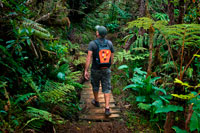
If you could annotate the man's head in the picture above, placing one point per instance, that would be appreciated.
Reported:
(101, 31)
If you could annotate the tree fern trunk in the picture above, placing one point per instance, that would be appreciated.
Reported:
(182, 11)
(151, 33)
(171, 12)
(142, 14)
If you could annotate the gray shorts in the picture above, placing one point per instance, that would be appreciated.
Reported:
(102, 75)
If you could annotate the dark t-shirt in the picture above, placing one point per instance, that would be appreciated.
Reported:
(93, 47)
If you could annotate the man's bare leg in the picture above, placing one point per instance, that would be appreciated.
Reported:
(107, 100)
(96, 98)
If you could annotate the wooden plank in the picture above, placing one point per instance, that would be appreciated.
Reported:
(90, 112)
(88, 100)
(101, 105)
(102, 111)
(91, 96)
(99, 117)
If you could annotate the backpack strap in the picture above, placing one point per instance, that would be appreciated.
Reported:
(98, 42)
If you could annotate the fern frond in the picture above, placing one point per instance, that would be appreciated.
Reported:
(74, 75)
(45, 115)
(168, 65)
(39, 31)
(141, 22)
(3, 84)
(24, 97)
(139, 49)
(55, 92)
(26, 77)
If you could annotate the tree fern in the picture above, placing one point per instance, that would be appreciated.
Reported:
(183, 34)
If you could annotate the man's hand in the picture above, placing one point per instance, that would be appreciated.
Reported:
(86, 75)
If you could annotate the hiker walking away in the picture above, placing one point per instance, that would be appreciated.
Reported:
(101, 52)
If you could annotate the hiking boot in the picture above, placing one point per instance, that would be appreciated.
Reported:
(107, 112)
(95, 103)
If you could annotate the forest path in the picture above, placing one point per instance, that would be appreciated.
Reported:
(90, 112)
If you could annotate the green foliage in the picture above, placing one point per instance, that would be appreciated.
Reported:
(126, 56)
(186, 84)
(193, 98)
(109, 14)
(37, 28)
(169, 108)
(160, 16)
(149, 96)
(195, 121)
(24, 97)
(123, 56)
(41, 114)
(141, 22)
(184, 34)
(178, 130)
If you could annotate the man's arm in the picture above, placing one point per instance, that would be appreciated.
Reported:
(87, 64)
(112, 58)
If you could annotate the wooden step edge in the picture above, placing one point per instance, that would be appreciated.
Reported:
(92, 107)
(90, 99)
(99, 118)
(101, 113)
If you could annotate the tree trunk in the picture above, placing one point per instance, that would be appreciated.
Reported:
(151, 33)
(190, 112)
(171, 12)
(142, 11)
(181, 11)
(169, 123)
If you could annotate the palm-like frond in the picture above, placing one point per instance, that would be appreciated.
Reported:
(42, 114)
(39, 31)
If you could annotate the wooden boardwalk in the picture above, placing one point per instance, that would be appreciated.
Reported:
(90, 112)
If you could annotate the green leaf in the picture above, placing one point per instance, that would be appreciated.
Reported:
(154, 79)
(3, 84)
(178, 130)
(163, 98)
(195, 121)
(197, 55)
(144, 106)
(182, 83)
(160, 89)
(157, 103)
(122, 67)
(169, 108)
(140, 99)
(129, 86)
(28, 42)
(10, 42)
(189, 96)
(139, 71)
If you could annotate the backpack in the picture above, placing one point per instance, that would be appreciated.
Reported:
(103, 56)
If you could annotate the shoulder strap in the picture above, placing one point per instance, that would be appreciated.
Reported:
(98, 43)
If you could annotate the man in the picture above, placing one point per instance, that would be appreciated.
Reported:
(99, 74)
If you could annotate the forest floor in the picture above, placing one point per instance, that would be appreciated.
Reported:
(93, 127)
